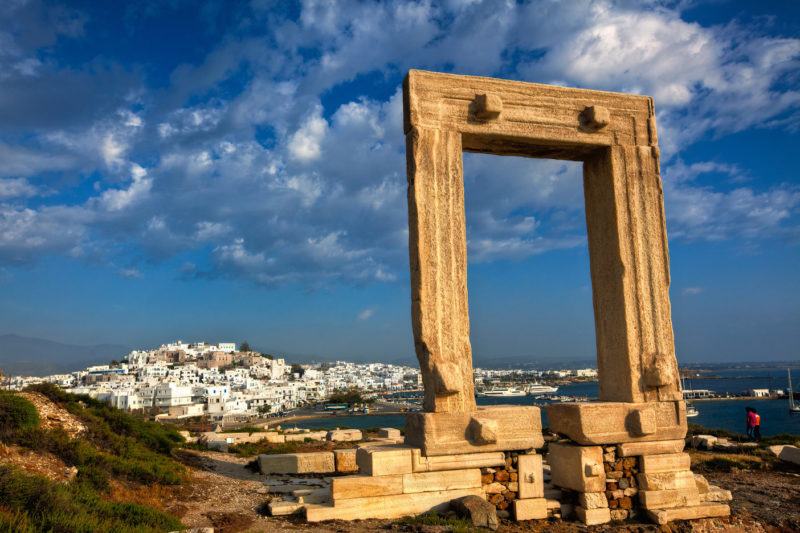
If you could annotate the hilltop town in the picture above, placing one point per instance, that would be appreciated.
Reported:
(225, 382)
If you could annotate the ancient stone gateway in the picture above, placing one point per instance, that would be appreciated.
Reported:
(621, 455)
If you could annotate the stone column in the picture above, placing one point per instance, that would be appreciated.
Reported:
(438, 257)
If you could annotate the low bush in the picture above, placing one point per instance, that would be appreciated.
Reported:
(245, 429)
(17, 415)
(721, 464)
(31, 503)
(116, 442)
(248, 449)
(456, 525)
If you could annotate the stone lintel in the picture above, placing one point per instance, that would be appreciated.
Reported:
(436, 463)
(630, 449)
(666, 499)
(706, 510)
(393, 506)
(488, 429)
(664, 462)
(591, 423)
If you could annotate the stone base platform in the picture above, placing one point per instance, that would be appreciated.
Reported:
(488, 429)
(593, 423)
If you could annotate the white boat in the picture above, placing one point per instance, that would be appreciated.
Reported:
(501, 393)
(691, 411)
(793, 409)
(537, 389)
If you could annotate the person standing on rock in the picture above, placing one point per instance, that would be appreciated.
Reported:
(756, 425)
(751, 422)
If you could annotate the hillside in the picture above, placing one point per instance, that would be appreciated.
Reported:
(70, 464)
(38, 357)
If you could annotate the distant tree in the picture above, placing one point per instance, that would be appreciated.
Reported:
(351, 397)
(297, 369)
(114, 363)
(268, 356)
(244, 347)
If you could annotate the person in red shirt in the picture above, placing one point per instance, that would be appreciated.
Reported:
(756, 425)
(751, 422)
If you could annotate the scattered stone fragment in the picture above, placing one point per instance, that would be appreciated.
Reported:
(478, 510)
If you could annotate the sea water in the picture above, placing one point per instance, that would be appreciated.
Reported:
(715, 414)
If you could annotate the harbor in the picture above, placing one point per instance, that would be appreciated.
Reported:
(723, 412)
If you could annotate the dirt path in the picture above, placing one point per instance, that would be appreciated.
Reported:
(223, 493)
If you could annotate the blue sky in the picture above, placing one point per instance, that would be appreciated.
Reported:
(236, 171)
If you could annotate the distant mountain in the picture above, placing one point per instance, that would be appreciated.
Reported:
(28, 356)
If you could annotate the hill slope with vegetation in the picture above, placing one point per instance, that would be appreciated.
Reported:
(102, 447)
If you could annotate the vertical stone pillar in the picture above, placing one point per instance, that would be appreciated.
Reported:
(438, 257)
(630, 276)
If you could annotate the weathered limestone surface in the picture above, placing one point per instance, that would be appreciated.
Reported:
(297, 463)
(349, 487)
(530, 476)
(421, 463)
(665, 462)
(667, 481)
(593, 500)
(716, 494)
(439, 481)
(530, 509)
(383, 460)
(664, 499)
(706, 510)
(593, 517)
(615, 136)
(344, 435)
(702, 484)
(345, 460)
(578, 468)
(629, 449)
(386, 506)
(301, 437)
(389, 433)
(592, 423)
(495, 428)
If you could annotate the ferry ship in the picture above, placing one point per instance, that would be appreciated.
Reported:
(537, 389)
(501, 393)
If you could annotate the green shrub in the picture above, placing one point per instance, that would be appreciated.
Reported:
(34, 503)
(721, 464)
(248, 449)
(17, 415)
(432, 518)
(245, 429)
(115, 442)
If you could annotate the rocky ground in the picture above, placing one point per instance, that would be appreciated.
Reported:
(225, 494)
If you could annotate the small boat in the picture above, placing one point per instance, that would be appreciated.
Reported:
(537, 389)
(691, 410)
(501, 393)
(793, 409)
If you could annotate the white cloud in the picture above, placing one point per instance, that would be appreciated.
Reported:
(131, 273)
(305, 143)
(366, 314)
(16, 187)
(242, 158)
(118, 199)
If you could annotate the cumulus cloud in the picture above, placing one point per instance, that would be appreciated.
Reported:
(279, 156)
